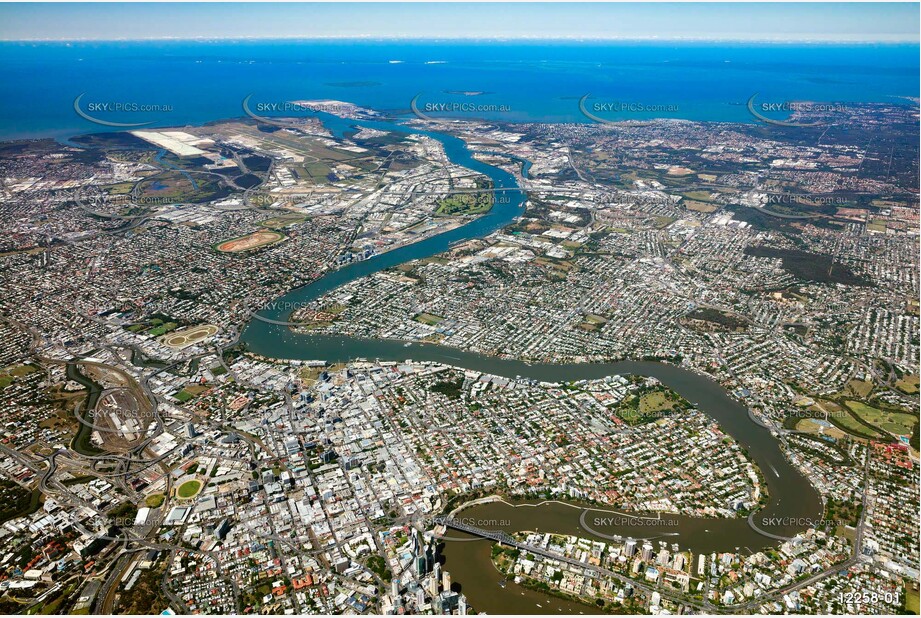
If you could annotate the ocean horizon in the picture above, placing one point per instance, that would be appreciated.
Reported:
(185, 82)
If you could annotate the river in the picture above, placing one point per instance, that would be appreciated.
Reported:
(792, 497)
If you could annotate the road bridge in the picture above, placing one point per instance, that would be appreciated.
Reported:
(500, 536)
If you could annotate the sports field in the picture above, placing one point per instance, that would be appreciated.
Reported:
(187, 336)
(255, 240)
(908, 384)
(188, 489)
(891, 420)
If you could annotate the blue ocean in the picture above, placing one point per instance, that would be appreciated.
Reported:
(192, 82)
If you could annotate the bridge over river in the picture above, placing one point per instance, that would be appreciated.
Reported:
(504, 538)
(791, 497)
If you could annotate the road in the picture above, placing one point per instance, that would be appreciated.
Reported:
(505, 539)
(669, 593)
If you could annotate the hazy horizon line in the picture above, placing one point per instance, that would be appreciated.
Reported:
(375, 37)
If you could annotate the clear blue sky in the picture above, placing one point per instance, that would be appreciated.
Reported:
(722, 21)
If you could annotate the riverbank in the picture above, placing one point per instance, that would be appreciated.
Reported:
(792, 498)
